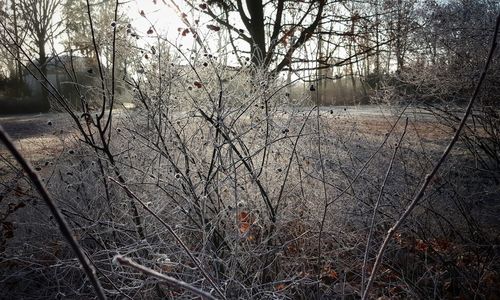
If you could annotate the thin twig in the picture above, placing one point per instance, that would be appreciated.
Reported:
(325, 199)
(113, 77)
(63, 225)
(288, 168)
(377, 204)
(128, 262)
(174, 234)
(367, 162)
(441, 160)
(98, 58)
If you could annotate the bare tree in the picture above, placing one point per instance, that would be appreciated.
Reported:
(8, 11)
(270, 37)
(39, 18)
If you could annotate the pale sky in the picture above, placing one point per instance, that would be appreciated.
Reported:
(160, 15)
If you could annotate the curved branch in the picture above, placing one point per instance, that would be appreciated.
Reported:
(61, 222)
(305, 35)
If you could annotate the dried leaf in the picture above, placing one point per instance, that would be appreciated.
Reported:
(18, 191)
(441, 245)
(245, 221)
(421, 245)
(244, 228)
(330, 275)
(213, 27)
(333, 275)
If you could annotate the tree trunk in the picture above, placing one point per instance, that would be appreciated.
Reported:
(257, 31)
(377, 41)
(42, 64)
(399, 42)
(19, 70)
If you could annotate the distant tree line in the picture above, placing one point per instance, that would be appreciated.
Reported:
(319, 41)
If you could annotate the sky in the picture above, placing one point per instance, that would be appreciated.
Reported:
(159, 14)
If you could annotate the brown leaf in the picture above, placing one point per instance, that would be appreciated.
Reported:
(441, 245)
(245, 221)
(330, 275)
(421, 245)
(213, 27)
(18, 191)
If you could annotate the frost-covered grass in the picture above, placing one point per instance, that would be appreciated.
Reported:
(215, 185)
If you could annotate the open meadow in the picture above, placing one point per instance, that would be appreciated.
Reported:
(297, 223)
